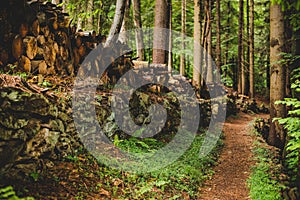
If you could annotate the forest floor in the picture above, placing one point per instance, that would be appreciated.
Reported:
(234, 165)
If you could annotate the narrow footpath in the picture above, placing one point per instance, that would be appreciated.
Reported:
(234, 164)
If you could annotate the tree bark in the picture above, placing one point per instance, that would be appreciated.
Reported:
(240, 49)
(218, 35)
(138, 32)
(183, 33)
(117, 23)
(210, 76)
(160, 38)
(123, 37)
(197, 44)
(247, 51)
(277, 75)
(251, 50)
(170, 55)
(90, 18)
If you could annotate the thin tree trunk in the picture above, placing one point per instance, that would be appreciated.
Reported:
(123, 37)
(240, 48)
(183, 33)
(138, 31)
(226, 61)
(277, 75)
(170, 59)
(117, 23)
(159, 37)
(99, 23)
(197, 44)
(210, 76)
(218, 34)
(247, 50)
(79, 23)
(251, 50)
(90, 19)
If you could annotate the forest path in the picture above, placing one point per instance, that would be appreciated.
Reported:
(234, 165)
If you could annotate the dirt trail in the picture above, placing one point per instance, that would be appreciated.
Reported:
(233, 169)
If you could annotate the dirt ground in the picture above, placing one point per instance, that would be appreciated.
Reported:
(234, 165)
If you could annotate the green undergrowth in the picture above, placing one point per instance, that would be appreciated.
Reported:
(263, 181)
(182, 177)
(9, 194)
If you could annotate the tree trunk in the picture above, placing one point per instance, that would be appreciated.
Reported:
(277, 75)
(183, 33)
(90, 19)
(100, 21)
(138, 32)
(218, 35)
(79, 23)
(240, 49)
(160, 37)
(247, 50)
(170, 59)
(117, 23)
(227, 35)
(210, 76)
(251, 50)
(123, 37)
(197, 44)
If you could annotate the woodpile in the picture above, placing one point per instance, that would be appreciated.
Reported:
(38, 39)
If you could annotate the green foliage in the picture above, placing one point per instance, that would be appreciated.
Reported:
(35, 176)
(12, 70)
(292, 125)
(184, 175)
(263, 182)
(103, 9)
(9, 194)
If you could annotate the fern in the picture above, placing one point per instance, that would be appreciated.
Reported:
(9, 194)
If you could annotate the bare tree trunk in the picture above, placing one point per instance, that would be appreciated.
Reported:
(159, 37)
(183, 33)
(247, 51)
(79, 23)
(100, 21)
(138, 32)
(90, 19)
(197, 44)
(117, 23)
(251, 50)
(210, 75)
(226, 61)
(218, 34)
(277, 75)
(240, 49)
(170, 59)
(123, 37)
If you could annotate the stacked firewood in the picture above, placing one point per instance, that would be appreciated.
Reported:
(39, 38)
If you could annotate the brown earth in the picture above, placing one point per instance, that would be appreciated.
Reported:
(233, 169)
